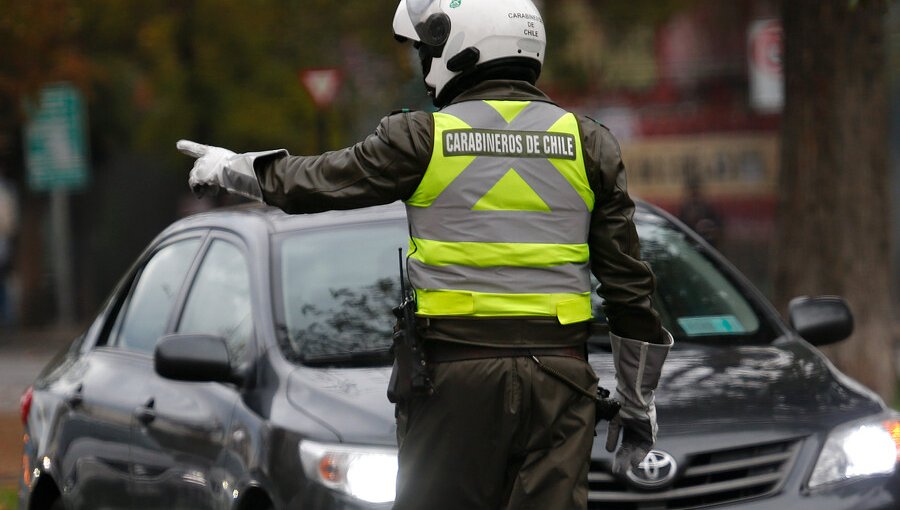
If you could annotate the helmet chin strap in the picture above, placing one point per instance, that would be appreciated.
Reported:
(427, 54)
(431, 91)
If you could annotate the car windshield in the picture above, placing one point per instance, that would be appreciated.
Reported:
(336, 288)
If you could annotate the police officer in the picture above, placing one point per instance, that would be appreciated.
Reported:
(512, 203)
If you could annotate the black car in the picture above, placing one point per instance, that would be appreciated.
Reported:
(242, 364)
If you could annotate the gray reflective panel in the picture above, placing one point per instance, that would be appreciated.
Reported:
(564, 279)
(483, 173)
(537, 116)
(477, 113)
(449, 224)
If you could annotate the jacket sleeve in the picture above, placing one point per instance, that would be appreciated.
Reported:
(626, 282)
(385, 167)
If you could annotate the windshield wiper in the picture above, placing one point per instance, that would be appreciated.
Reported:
(374, 358)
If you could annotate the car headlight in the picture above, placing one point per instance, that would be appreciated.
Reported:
(866, 447)
(365, 473)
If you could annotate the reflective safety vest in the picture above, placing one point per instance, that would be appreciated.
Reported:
(499, 224)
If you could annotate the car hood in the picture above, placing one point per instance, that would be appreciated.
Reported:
(352, 402)
(785, 386)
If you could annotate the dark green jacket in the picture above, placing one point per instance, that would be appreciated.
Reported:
(389, 164)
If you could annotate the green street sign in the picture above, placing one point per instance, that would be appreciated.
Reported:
(55, 142)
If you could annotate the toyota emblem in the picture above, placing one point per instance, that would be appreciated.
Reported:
(657, 469)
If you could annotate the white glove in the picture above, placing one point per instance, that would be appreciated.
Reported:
(206, 176)
(217, 168)
(638, 369)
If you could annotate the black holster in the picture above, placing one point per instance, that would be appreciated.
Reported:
(410, 376)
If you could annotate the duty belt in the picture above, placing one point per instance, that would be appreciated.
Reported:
(445, 352)
(519, 332)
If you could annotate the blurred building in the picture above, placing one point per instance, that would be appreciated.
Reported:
(696, 107)
(695, 99)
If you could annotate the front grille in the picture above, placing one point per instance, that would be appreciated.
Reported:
(704, 479)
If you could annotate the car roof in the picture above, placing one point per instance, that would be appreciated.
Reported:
(252, 219)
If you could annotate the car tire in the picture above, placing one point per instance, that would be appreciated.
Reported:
(57, 505)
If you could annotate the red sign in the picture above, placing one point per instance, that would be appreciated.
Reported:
(322, 84)
(767, 46)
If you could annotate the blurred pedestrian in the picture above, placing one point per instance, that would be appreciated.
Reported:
(9, 225)
(512, 202)
(698, 212)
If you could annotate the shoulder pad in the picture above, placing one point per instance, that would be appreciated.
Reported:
(607, 136)
(595, 121)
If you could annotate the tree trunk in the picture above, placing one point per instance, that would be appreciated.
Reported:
(834, 207)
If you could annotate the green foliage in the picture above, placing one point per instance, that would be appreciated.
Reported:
(595, 43)
(226, 71)
(36, 47)
(639, 12)
(893, 43)
(8, 499)
(223, 71)
(897, 396)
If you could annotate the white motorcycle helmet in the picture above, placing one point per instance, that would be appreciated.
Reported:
(457, 39)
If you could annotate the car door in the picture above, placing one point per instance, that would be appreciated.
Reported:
(180, 436)
(102, 392)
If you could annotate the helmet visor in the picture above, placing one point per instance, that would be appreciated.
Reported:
(431, 23)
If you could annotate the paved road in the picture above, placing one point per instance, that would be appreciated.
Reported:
(22, 356)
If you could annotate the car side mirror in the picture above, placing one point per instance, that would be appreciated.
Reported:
(821, 320)
(193, 357)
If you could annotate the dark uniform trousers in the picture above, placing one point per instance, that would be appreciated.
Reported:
(498, 433)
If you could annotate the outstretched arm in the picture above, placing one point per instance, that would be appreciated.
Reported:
(387, 166)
